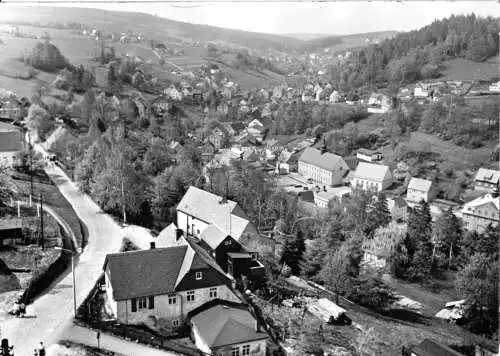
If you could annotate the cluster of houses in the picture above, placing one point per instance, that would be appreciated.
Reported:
(435, 90)
(187, 277)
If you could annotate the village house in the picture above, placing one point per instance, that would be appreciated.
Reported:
(218, 137)
(486, 179)
(481, 212)
(287, 161)
(398, 208)
(13, 109)
(162, 285)
(418, 190)
(370, 176)
(161, 105)
(422, 90)
(227, 329)
(173, 93)
(198, 209)
(404, 94)
(321, 166)
(11, 144)
(495, 87)
(368, 155)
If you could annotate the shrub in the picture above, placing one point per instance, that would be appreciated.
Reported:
(371, 292)
(47, 57)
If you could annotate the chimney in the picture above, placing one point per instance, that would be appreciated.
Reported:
(152, 245)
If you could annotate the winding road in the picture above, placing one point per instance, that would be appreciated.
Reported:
(53, 311)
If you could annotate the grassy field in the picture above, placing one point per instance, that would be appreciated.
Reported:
(462, 69)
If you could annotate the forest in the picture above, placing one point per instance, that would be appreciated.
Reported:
(419, 54)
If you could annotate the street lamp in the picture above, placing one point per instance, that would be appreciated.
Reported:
(73, 273)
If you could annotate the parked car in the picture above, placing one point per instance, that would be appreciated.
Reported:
(298, 186)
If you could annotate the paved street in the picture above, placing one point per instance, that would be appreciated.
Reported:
(54, 310)
(111, 343)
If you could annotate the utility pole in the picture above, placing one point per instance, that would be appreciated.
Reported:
(41, 221)
(31, 170)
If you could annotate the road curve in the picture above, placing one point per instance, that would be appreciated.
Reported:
(54, 310)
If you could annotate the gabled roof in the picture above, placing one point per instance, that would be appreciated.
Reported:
(371, 171)
(11, 141)
(144, 273)
(327, 160)
(488, 198)
(157, 271)
(212, 209)
(488, 175)
(167, 237)
(420, 184)
(226, 324)
(213, 236)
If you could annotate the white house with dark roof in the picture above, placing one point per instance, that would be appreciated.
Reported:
(486, 179)
(323, 167)
(481, 212)
(370, 176)
(227, 329)
(418, 189)
(163, 285)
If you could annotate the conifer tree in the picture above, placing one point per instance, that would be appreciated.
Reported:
(313, 258)
(293, 251)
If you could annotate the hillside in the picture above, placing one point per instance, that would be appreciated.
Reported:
(463, 69)
(152, 26)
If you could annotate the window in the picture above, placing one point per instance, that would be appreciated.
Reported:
(190, 296)
(175, 323)
(235, 351)
(172, 299)
(142, 303)
(151, 302)
(245, 350)
(213, 292)
(198, 275)
(134, 305)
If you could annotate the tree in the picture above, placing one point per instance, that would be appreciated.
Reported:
(293, 251)
(37, 120)
(7, 187)
(313, 258)
(379, 215)
(366, 342)
(479, 282)
(447, 234)
(341, 267)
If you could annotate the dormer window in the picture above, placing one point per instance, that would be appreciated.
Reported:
(198, 276)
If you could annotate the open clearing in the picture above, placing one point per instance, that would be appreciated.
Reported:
(463, 69)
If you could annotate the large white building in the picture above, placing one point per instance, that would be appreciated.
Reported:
(323, 167)
(370, 176)
(486, 179)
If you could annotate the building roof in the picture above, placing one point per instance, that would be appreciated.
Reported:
(167, 237)
(155, 272)
(488, 198)
(213, 236)
(212, 209)
(400, 202)
(367, 152)
(226, 324)
(11, 141)
(371, 171)
(327, 160)
(488, 175)
(420, 184)
(432, 348)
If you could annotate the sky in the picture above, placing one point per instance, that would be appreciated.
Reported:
(330, 18)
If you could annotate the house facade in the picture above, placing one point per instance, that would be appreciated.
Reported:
(217, 137)
(323, 167)
(418, 189)
(486, 179)
(370, 176)
(481, 212)
(162, 284)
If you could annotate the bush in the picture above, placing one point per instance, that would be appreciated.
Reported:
(46, 57)
(371, 292)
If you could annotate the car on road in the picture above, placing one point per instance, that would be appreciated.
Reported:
(305, 188)
(298, 185)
